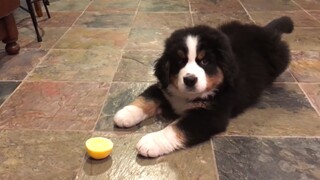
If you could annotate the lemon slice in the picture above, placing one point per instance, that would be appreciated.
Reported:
(99, 147)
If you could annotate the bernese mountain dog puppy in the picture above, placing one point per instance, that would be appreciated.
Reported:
(206, 77)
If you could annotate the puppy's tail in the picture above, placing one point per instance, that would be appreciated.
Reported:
(283, 24)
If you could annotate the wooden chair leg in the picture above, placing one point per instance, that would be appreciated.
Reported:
(38, 9)
(34, 19)
(12, 47)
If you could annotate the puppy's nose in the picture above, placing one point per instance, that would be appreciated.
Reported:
(190, 80)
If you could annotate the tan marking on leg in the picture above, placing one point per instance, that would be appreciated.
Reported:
(215, 80)
(149, 107)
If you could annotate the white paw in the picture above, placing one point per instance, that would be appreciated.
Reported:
(129, 116)
(159, 143)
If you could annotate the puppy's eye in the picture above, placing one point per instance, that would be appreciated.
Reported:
(204, 62)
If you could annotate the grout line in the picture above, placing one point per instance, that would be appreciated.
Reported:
(245, 9)
(79, 81)
(295, 79)
(107, 94)
(102, 107)
(279, 83)
(45, 130)
(42, 58)
(190, 13)
(309, 99)
(79, 49)
(165, 12)
(68, 81)
(305, 11)
(161, 12)
(11, 80)
(306, 27)
(214, 159)
(304, 92)
(11, 94)
(270, 137)
(125, 46)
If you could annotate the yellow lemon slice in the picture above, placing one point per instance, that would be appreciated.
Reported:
(99, 147)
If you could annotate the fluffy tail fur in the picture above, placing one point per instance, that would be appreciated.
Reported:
(283, 24)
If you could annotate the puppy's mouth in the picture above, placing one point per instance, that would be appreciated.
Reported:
(190, 90)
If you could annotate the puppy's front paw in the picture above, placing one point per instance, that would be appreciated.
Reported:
(159, 143)
(129, 116)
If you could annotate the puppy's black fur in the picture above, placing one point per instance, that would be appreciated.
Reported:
(250, 57)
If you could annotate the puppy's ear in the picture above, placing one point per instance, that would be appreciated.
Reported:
(161, 71)
(228, 65)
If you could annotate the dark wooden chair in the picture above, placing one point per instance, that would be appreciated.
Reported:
(31, 11)
(8, 28)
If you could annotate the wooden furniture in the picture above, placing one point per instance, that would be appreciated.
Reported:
(8, 27)
(38, 10)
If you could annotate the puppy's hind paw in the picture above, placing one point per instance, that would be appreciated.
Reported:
(129, 116)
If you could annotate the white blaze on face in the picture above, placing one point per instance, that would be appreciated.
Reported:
(192, 68)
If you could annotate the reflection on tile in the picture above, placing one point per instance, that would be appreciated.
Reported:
(271, 5)
(73, 65)
(105, 20)
(40, 154)
(21, 15)
(147, 39)
(18, 66)
(6, 88)
(114, 5)
(215, 6)
(305, 55)
(50, 35)
(193, 163)
(306, 66)
(215, 19)
(106, 124)
(300, 18)
(283, 110)
(285, 77)
(68, 5)
(121, 94)
(86, 38)
(304, 39)
(309, 4)
(164, 5)
(58, 19)
(267, 158)
(51, 105)
(162, 20)
(313, 92)
(137, 66)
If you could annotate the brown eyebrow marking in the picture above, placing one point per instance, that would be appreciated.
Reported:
(201, 54)
(181, 54)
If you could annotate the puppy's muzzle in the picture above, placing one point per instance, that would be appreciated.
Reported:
(190, 80)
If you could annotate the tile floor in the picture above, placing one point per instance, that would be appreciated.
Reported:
(97, 55)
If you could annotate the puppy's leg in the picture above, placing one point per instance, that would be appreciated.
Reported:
(162, 142)
(196, 127)
(145, 106)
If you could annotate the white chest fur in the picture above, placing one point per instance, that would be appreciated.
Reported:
(179, 104)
